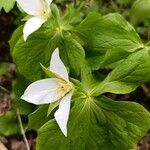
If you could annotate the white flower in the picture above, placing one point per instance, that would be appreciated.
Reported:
(39, 10)
(53, 89)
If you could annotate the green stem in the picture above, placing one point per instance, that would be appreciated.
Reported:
(22, 130)
(2, 89)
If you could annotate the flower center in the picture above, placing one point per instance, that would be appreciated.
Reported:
(65, 88)
(45, 10)
(44, 13)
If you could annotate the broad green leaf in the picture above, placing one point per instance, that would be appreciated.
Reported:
(95, 124)
(140, 11)
(55, 11)
(84, 28)
(37, 49)
(128, 75)
(9, 124)
(17, 34)
(19, 86)
(38, 117)
(7, 5)
(109, 36)
(52, 106)
(72, 53)
(87, 78)
(77, 84)
(86, 75)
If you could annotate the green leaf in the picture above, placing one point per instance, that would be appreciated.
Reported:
(52, 106)
(72, 53)
(37, 49)
(128, 75)
(55, 11)
(9, 124)
(109, 36)
(7, 5)
(38, 117)
(140, 11)
(87, 78)
(97, 123)
(73, 15)
(17, 34)
(19, 86)
(84, 28)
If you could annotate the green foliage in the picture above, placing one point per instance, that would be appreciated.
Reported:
(38, 117)
(15, 37)
(140, 11)
(19, 86)
(40, 45)
(72, 53)
(7, 5)
(9, 124)
(109, 38)
(96, 123)
(36, 50)
(128, 75)
(86, 47)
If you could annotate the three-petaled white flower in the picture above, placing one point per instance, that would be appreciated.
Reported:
(53, 89)
(39, 9)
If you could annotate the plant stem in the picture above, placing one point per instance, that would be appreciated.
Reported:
(145, 89)
(4, 90)
(22, 130)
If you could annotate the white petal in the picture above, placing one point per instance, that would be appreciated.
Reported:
(32, 25)
(57, 66)
(31, 7)
(42, 92)
(62, 114)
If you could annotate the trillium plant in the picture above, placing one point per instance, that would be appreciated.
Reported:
(53, 89)
(72, 102)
